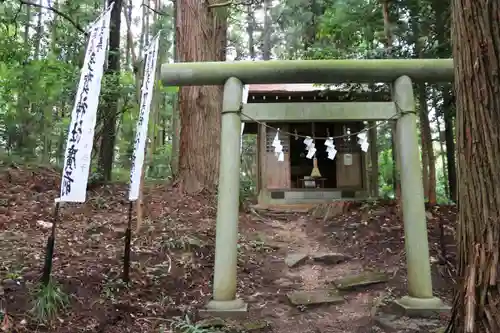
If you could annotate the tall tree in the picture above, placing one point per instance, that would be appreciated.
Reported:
(111, 97)
(450, 141)
(267, 31)
(201, 28)
(442, 13)
(428, 156)
(251, 25)
(386, 4)
(476, 52)
(176, 118)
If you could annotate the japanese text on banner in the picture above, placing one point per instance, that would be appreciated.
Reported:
(83, 118)
(142, 123)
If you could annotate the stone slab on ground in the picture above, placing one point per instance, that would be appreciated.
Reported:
(360, 280)
(315, 297)
(330, 258)
(295, 259)
(391, 323)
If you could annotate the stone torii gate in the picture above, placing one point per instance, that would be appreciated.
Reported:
(420, 299)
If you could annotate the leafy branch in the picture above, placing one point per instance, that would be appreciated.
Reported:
(55, 11)
(231, 2)
(154, 10)
(222, 4)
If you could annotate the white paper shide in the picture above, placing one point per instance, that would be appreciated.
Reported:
(363, 141)
(83, 117)
(142, 123)
(278, 147)
(310, 147)
(330, 148)
(244, 95)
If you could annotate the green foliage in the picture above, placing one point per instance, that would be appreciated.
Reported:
(38, 78)
(39, 72)
(48, 301)
(248, 161)
(160, 166)
(185, 325)
(247, 188)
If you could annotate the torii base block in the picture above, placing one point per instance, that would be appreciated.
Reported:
(235, 309)
(422, 307)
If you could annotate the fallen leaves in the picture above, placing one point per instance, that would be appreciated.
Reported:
(172, 255)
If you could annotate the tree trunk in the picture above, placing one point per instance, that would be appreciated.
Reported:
(427, 146)
(130, 42)
(175, 120)
(176, 134)
(158, 96)
(476, 53)
(147, 24)
(267, 32)
(143, 42)
(423, 154)
(309, 37)
(27, 26)
(441, 146)
(138, 73)
(200, 36)
(450, 144)
(53, 33)
(38, 40)
(251, 24)
(110, 109)
(373, 179)
(443, 50)
(388, 49)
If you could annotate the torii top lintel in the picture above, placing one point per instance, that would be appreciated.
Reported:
(307, 71)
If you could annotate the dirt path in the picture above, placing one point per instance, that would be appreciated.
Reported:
(295, 234)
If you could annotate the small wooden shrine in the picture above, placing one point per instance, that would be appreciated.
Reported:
(306, 110)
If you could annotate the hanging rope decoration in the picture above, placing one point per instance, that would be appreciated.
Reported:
(309, 140)
(330, 146)
(311, 147)
(278, 147)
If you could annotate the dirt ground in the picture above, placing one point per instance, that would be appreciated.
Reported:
(172, 261)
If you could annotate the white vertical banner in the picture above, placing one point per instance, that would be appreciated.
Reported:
(83, 117)
(244, 95)
(141, 133)
(244, 100)
(241, 137)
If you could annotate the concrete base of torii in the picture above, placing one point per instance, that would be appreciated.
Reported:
(422, 307)
(225, 309)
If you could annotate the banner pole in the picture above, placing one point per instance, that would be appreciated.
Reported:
(49, 251)
(128, 239)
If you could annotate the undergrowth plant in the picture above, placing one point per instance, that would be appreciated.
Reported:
(185, 325)
(48, 301)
